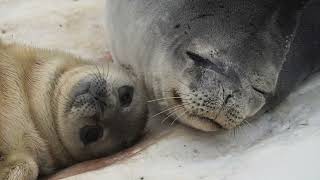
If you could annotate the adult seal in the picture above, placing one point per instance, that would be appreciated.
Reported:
(216, 63)
(57, 109)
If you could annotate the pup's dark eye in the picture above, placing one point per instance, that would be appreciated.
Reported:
(125, 95)
(90, 134)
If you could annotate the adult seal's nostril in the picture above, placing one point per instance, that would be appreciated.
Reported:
(125, 95)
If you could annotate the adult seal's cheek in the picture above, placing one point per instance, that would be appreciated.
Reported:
(239, 58)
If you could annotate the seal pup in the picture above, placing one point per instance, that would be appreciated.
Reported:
(216, 64)
(57, 109)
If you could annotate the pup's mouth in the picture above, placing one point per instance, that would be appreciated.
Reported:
(192, 119)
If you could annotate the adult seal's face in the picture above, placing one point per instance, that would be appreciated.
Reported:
(99, 111)
(211, 63)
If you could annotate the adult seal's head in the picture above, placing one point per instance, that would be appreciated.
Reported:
(214, 63)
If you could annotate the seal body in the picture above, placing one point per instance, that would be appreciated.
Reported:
(212, 63)
(57, 109)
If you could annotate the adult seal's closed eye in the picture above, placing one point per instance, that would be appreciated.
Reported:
(57, 109)
(216, 63)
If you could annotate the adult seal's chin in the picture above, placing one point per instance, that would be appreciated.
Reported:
(200, 123)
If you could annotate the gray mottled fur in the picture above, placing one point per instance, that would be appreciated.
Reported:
(227, 60)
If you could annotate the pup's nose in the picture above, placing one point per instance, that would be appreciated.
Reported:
(99, 88)
(102, 92)
(125, 95)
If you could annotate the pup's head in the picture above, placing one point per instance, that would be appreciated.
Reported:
(100, 110)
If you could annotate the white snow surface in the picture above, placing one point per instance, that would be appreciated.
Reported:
(283, 144)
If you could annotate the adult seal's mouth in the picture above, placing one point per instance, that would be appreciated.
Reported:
(206, 122)
(191, 118)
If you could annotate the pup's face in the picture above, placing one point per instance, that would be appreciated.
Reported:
(100, 110)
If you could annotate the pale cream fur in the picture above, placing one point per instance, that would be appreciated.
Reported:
(30, 92)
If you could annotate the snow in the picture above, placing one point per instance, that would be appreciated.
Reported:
(282, 144)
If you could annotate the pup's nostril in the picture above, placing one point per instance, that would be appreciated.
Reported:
(90, 134)
(125, 95)
(227, 98)
(82, 87)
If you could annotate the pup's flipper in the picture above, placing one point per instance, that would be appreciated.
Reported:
(18, 166)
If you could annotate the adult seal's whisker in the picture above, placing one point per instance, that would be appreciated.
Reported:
(168, 109)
